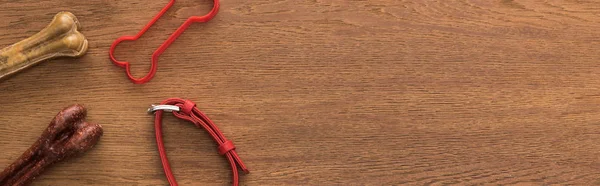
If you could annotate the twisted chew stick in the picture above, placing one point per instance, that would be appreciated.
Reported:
(67, 135)
(60, 38)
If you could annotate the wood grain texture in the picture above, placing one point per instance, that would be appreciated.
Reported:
(325, 92)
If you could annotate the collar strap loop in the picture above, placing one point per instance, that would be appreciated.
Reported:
(226, 147)
(187, 107)
(189, 112)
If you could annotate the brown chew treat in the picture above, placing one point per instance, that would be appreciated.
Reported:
(60, 38)
(67, 135)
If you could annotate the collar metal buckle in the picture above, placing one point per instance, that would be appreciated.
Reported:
(166, 108)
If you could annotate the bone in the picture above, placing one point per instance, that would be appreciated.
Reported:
(67, 135)
(61, 38)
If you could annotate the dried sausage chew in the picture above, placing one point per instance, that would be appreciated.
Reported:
(67, 135)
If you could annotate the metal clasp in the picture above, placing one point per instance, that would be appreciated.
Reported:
(166, 108)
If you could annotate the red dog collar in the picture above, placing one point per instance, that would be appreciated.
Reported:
(187, 110)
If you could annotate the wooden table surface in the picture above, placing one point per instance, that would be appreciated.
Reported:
(326, 92)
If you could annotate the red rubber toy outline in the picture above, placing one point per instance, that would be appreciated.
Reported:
(164, 46)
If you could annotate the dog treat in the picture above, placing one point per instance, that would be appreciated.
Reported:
(60, 38)
(67, 135)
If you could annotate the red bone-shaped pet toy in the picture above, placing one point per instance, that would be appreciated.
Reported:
(162, 47)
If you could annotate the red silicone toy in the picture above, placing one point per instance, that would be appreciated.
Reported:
(162, 47)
